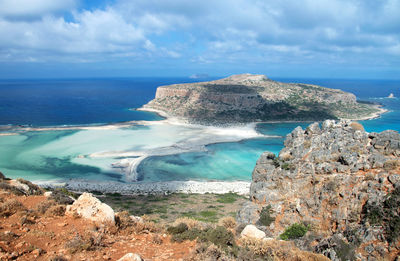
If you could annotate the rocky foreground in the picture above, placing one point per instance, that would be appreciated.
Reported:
(251, 98)
(57, 225)
(334, 190)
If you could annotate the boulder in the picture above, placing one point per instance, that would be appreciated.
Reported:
(251, 231)
(89, 207)
(131, 257)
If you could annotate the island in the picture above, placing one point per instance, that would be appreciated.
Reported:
(255, 98)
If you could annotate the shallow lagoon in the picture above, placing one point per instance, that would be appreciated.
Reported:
(194, 153)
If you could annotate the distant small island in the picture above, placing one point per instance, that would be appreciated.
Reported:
(255, 98)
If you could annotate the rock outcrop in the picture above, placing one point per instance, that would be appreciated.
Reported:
(249, 98)
(251, 231)
(340, 181)
(89, 207)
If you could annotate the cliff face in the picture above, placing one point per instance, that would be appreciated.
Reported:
(341, 181)
(247, 98)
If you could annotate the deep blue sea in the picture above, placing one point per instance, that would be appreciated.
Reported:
(90, 153)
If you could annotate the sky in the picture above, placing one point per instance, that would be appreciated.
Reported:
(357, 39)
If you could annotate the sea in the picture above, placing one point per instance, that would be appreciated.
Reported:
(55, 130)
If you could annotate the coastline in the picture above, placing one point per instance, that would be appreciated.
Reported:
(160, 187)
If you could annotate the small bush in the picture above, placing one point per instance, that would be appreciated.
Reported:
(157, 239)
(220, 236)
(294, 231)
(190, 234)
(62, 196)
(123, 220)
(227, 222)
(179, 229)
(10, 207)
(391, 164)
(57, 210)
(265, 216)
(190, 222)
(78, 243)
(285, 166)
(43, 206)
(16, 191)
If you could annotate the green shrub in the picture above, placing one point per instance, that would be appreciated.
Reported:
(285, 166)
(386, 214)
(265, 216)
(220, 236)
(294, 231)
(179, 229)
(227, 197)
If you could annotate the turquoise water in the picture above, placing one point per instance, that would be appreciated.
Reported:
(89, 154)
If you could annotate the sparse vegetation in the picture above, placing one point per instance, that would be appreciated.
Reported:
(391, 164)
(387, 214)
(227, 222)
(10, 207)
(265, 216)
(294, 231)
(227, 198)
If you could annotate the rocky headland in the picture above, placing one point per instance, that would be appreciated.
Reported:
(334, 189)
(255, 98)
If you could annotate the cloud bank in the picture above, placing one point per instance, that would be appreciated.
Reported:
(203, 35)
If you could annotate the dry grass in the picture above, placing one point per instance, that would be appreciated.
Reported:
(279, 250)
(57, 210)
(227, 222)
(191, 223)
(43, 206)
(10, 207)
(391, 164)
(357, 126)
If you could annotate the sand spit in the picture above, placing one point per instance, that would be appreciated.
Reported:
(140, 188)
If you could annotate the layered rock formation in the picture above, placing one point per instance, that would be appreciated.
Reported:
(249, 98)
(341, 182)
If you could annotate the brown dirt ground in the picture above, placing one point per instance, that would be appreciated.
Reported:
(51, 236)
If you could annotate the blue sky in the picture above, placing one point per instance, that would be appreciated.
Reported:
(129, 38)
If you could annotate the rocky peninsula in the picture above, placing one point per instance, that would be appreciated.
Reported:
(255, 98)
(336, 181)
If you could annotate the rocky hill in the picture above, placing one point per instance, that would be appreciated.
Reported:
(249, 98)
(333, 189)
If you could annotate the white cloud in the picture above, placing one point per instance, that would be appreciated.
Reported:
(204, 31)
(33, 8)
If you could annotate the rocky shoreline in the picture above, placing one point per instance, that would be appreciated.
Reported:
(146, 188)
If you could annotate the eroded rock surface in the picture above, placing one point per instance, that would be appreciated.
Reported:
(341, 181)
(89, 207)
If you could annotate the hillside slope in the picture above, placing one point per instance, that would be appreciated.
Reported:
(249, 98)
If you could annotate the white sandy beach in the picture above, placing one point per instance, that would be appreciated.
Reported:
(199, 187)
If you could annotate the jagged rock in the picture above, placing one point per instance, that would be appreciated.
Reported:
(251, 231)
(131, 257)
(325, 177)
(2, 176)
(91, 208)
